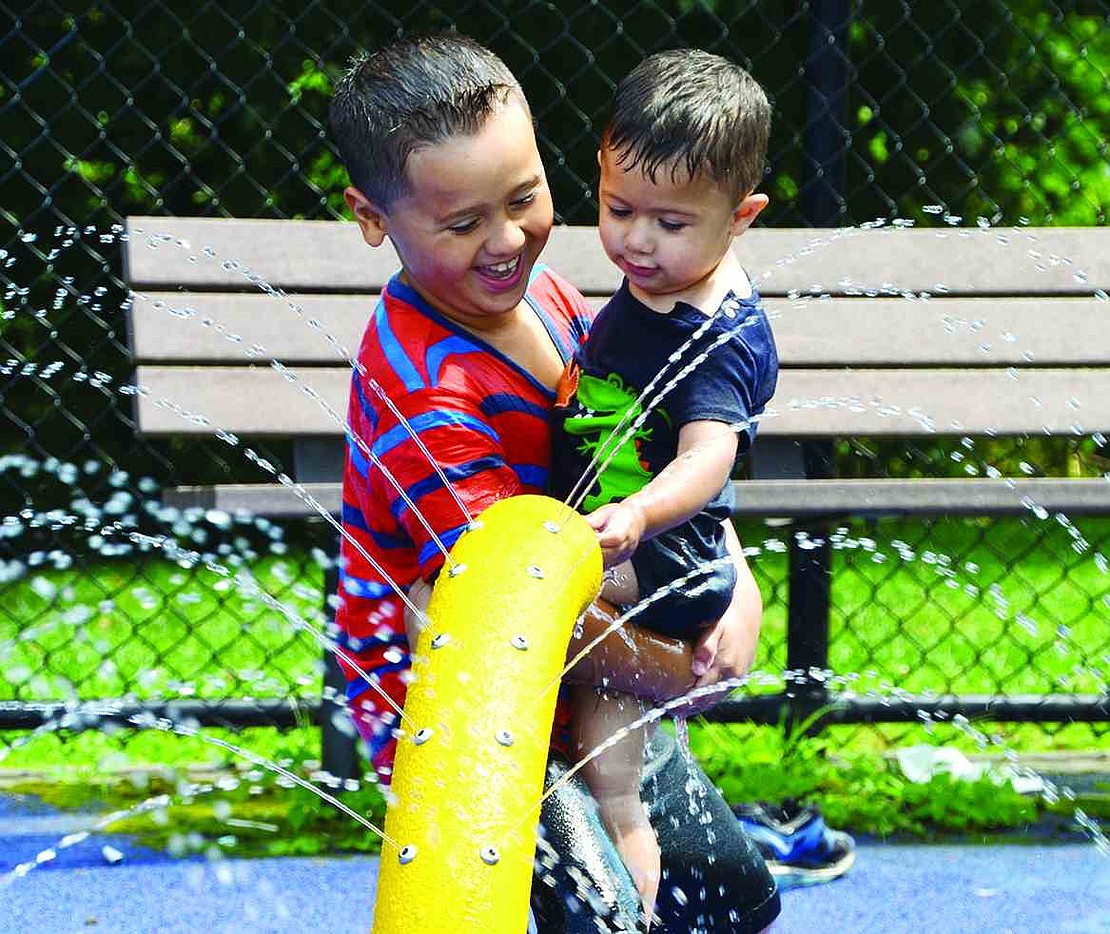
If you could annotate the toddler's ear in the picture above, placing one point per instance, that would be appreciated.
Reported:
(747, 211)
(370, 218)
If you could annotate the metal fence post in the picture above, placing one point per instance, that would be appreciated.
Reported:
(827, 73)
(825, 137)
(809, 604)
(338, 741)
(321, 460)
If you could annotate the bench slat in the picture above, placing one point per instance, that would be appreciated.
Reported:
(813, 403)
(1061, 331)
(809, 332)
(754, 498)
(169, 252)
(924, 497)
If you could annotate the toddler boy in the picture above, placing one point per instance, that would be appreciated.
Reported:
(680, 160)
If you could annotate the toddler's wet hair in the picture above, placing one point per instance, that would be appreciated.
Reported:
(694, 112)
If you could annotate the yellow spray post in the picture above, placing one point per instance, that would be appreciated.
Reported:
(469, 772)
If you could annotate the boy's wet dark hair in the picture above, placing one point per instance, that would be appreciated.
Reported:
(413, 93)
(691, 109)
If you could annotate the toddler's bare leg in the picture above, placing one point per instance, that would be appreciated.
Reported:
(619, 585)
(613, 777)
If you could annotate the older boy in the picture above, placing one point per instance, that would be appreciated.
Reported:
(680, 160)
(468, 342)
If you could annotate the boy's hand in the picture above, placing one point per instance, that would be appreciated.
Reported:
(619, 527)
(721, 653)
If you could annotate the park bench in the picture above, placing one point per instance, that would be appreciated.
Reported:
(882, 332)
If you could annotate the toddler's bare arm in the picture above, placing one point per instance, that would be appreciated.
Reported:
(706, 454)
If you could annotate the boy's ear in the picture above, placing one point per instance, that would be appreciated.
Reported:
(747, 211)
(371, 219)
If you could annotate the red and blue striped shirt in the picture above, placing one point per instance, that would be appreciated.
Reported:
(481, 417)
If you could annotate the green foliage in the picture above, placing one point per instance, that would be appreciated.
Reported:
(312, 79)
(1003, 117)
(329, 176)
(96, 173)
(105, 633)
(1007, 126)
(997, 111)
(1048, 156)
(860, 792)
(1042, 456)
(234, 811)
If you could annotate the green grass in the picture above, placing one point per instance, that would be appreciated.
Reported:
(154, 629)
(981, 608)
(865, 792)
(80, 756)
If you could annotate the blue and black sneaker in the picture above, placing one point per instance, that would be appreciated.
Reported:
(797, 846)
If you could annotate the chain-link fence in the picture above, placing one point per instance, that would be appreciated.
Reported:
(951, 112)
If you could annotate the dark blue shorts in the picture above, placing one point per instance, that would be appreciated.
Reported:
(685, 612)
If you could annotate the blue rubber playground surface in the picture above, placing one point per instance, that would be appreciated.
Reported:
(916, 888)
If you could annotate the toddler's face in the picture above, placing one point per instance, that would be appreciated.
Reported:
(477, 214)
(664, 235)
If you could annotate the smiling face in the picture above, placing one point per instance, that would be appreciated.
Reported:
(475, 216)
(668, 236)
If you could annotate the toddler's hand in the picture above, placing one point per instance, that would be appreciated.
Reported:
(619, 527)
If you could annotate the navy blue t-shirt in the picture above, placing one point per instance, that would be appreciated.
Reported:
(631, 347)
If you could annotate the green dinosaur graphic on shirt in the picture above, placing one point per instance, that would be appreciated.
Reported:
(605, 404)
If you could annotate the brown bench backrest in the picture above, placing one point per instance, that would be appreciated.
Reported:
(1007, 338)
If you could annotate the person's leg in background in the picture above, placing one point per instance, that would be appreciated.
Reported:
(580, 884)
(713, 876)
